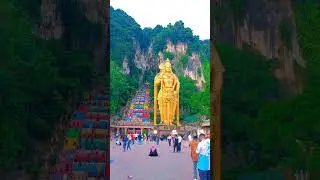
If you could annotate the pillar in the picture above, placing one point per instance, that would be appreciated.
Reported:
(118, 130)
(125, 130)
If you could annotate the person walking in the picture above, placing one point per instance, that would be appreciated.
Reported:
(132, 137)
(203, 150)
(194, 156)
(175, 144)
(179, 143)
(125, 141)
(169, 140)
(158, 140)
(129, 143)
(140, 139)
(190, 137)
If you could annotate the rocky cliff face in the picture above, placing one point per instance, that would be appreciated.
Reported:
(125, 66)
(267, 26)
(194, 70)
(147, 61)
(53, 24)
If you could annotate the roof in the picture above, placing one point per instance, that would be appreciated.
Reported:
(205, 123)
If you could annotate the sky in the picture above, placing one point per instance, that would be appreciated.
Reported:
(148, 13)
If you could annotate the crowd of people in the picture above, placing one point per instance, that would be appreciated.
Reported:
(199, 144)
(129, 139)
(200, 155)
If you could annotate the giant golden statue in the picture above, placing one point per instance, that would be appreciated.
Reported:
(167, 98)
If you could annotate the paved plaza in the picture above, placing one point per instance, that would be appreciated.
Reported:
(137, 164)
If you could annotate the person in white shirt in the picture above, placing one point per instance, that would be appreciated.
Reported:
(179, 143)
(169, 139)
(203, 150)
(190, 138)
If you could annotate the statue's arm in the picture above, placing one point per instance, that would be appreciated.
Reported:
(177, 96)
(177, 84)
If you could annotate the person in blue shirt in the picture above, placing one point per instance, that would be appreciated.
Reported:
(125, 141)
(203, 150)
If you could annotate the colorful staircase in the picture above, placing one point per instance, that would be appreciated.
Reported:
(139, 113)
(85, 151)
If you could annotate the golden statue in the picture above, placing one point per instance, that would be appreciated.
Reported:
(168, 96)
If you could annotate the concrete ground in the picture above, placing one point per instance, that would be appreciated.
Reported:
(137, 165)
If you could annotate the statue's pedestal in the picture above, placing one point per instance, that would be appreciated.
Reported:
(166, 130)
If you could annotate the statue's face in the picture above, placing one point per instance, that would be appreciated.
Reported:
(168, 67)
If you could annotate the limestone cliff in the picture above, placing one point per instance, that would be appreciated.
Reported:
(125, 66)
(51, 25)
(267, 26)
(194, 70)
(54, 24)
(139, 51)
(148, 61)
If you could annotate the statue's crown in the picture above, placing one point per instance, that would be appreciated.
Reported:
(168, 61)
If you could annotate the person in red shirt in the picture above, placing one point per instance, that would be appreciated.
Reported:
(132, 138)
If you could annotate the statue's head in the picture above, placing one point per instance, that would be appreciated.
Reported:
(167, 65)
(161, 67)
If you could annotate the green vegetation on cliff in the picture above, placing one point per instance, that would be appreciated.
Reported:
(126, 37)
(121, 87)
(39, 79)
(296, 143)
(261, 130)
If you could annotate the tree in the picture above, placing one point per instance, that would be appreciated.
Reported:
(39, 78)
(187, 89)
(200, 101)
(121, 88)
(168, 55)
